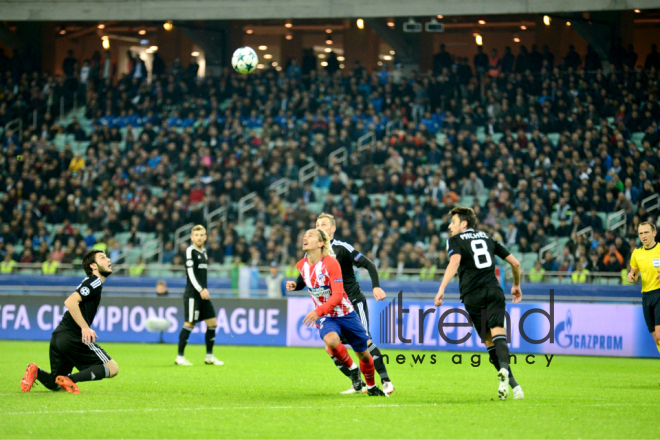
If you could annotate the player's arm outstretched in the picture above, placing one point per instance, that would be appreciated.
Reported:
(360, 260)
(72, 304)
(450, 272)
(298, 284)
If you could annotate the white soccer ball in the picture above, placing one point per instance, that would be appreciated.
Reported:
(244, 60)
(155, 324)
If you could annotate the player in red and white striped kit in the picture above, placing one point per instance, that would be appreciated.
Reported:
(334, 314)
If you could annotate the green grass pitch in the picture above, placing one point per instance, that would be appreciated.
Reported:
(267, 392)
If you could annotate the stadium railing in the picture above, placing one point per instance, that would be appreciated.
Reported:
(15, 125)
(224, 270)
(646, 203)
(365, 140)
(245, 204)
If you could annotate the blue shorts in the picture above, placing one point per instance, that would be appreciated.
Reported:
(349, 326)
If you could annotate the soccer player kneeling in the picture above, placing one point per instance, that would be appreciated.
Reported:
(73, 341)
(334, 314)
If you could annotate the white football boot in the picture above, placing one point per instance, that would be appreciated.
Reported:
(180, 360)
(212, 360)
(518, 393)
(503, 389)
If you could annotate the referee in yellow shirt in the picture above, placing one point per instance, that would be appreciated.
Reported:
(646, 261)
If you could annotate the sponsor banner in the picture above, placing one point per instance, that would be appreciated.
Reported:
(577, 329)
(123, 319)
(297, 335)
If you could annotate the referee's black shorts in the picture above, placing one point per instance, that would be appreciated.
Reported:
(67, 351)
(651, 307)
(488, 303)
(197, 309)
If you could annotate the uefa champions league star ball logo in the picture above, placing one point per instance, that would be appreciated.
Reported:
(84, 291)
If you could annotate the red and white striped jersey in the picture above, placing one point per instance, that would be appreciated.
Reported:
(326, 286)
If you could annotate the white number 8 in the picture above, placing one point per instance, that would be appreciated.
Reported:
(479, 247)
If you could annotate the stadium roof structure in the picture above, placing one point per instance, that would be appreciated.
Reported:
(55, 10)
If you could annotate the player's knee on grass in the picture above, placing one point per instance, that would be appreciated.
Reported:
(332, 340)
(113, 368)
(189, 324)
(211, 322)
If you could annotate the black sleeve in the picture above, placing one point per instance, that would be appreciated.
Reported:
(300, 283)
(500, 250)
(453, 247)
(88, 289)
(360, 260)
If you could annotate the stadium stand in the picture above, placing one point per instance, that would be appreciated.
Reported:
(559, 163)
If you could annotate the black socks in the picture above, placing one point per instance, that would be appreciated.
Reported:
(378, 362)
(97, 372)
(209, 338)
(502, 350)
(496, 362)
(183, 338)
(47, 379)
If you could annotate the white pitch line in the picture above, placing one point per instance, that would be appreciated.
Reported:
(219, 408)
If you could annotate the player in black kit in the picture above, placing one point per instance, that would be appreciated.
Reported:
(196, 300)
(73, 341)
(348, 257)
(472, 254)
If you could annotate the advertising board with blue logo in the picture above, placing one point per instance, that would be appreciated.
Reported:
(544, 328)
(297, 335)
(123, 319)
(563, 328)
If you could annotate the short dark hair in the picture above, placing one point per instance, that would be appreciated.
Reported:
(465, 213)
(647, 223)
(89, 259)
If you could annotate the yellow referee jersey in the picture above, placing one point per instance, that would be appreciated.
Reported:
(647, 262)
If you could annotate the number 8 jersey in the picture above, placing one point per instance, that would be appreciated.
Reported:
(477, 268)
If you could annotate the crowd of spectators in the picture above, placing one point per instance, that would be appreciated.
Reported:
(538, 147)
